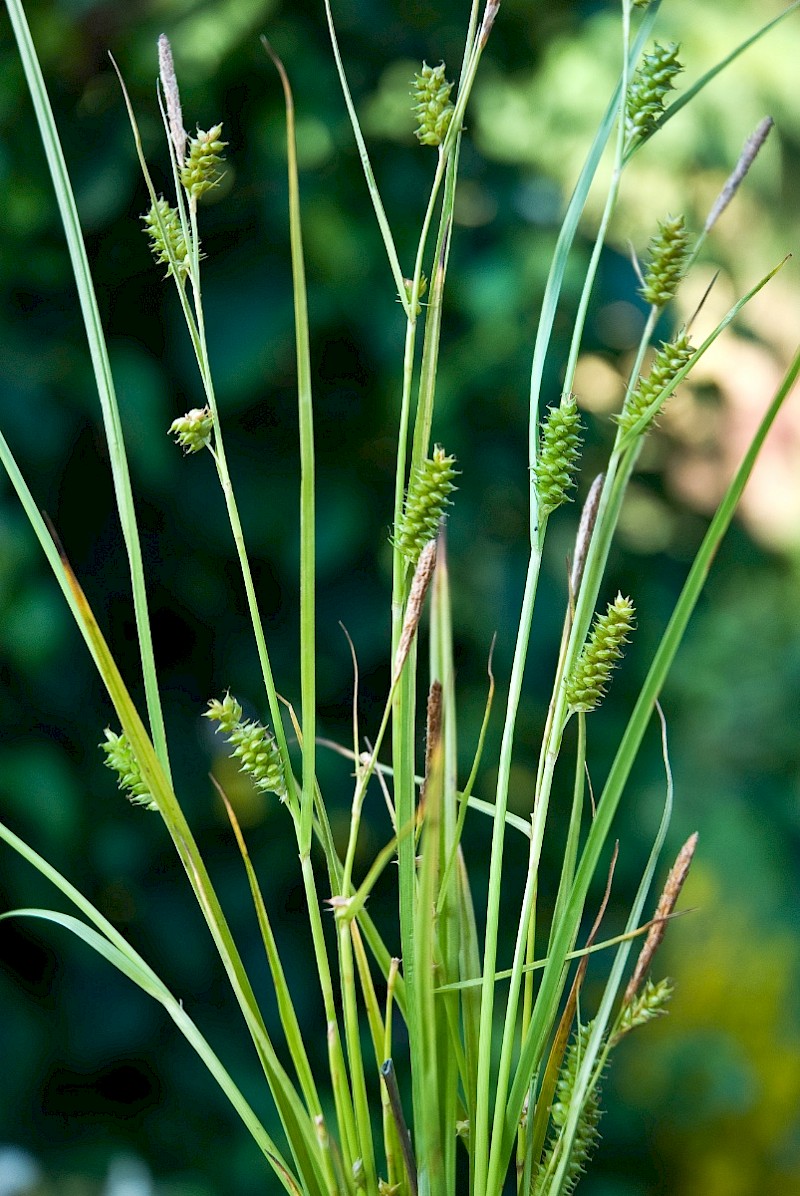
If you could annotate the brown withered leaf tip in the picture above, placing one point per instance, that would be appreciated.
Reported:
(416, 599)
(664, 909)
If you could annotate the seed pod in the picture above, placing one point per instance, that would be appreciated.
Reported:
(192, 431)
(432, 106)
(559, 449)
(600, 654)
(200, 171)
(669, 249)
(426, 501)
(167, 241)
(253, 745)
(670, 359)
(649, 89)
(121, 760)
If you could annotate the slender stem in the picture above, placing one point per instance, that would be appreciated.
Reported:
(495, 876)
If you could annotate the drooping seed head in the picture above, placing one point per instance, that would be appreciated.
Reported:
(432, 106)
(600, 654)
(192, 431)
(253, 745)
(559, 448)
(162, 224)
(201, 170)
(669, 249)
(120, 758)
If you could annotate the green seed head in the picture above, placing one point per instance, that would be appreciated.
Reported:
(600, 653)
(432, 106)
(586, 1130)
(167, 243)
(192, 431)
(425, 505)
(252, 744)
(669, 249)
(201, 170)
(121, 760)
(668, 361)
(649, 88)
(650, 1002)
(408, 286)
(559, 449)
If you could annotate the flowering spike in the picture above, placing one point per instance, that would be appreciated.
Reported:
(192, 431)
(121, 760)
(600, 653)
(253, 745)
(167, 243)
(426, 500)
(432, 106)
(558, 455)
(649, 88)
(669, 249)
(668, 361)
(200, 172)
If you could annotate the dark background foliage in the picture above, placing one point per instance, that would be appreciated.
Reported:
(705, 1101)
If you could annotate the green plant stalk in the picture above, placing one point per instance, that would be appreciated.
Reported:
(590, 1071)
(451, 916)
(552, 978)
(482, 1116)
(100, 365)
(363, 1125)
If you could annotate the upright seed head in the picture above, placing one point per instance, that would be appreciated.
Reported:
(649, 89)
(426, 501)
(192, 431)
(668, 361)
(120, 759)
(253, 745)
(167, 243)
(601, 652)
(669, 249)
(201, 169)
(432, 106)
(559, 449)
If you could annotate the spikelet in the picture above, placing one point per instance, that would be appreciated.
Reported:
(668, 361)
(121, 760)
(650, 1002)
(167, 240)
(192, 431)
(649, 89)
(586, 1133)
(253, 745)
(559, 448)
(588, 683)
(426, 501)
(201, 170)
(668, 252)
(432, 106)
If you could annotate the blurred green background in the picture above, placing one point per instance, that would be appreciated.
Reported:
(706, 1100)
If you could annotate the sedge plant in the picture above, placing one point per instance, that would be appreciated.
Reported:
(449, 1068)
